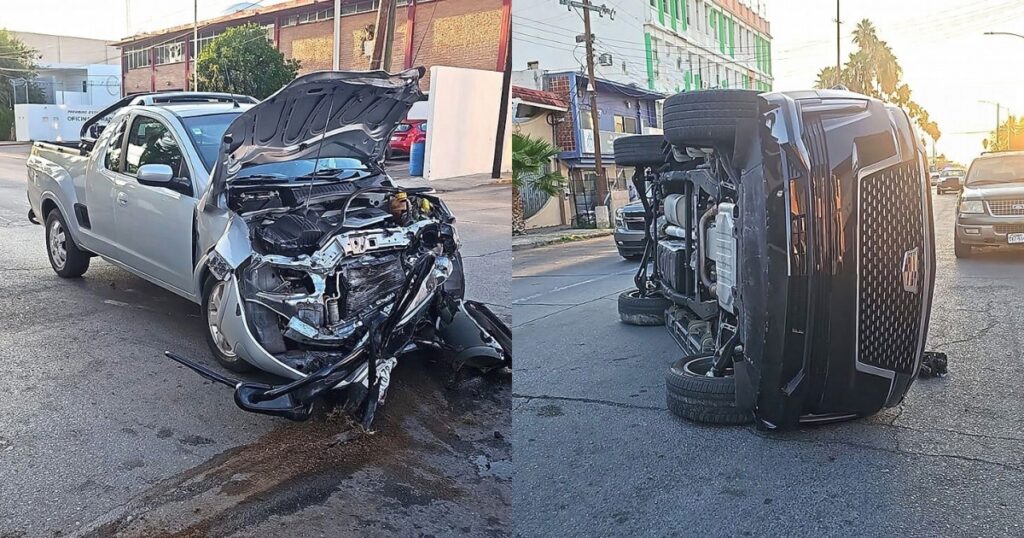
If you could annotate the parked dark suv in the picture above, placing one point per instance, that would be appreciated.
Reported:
(991, 208)
(790, 253)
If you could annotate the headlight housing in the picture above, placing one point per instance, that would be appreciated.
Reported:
(972, 206)
(619, 222)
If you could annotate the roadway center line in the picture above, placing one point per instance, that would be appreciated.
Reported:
(568, 286)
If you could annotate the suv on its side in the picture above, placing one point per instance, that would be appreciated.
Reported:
(991, 208)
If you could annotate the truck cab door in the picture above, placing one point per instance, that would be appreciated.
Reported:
(98, 229)
(155, 221)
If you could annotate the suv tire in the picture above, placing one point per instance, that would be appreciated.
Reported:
(707, 118)
(640, 150)
(635, 309)
(961, 249)
(692, 395)
(67, 260)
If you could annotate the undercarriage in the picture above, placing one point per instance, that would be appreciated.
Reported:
(789, 252)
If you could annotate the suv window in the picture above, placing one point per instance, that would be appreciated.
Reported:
(151, 142)
(112, 161)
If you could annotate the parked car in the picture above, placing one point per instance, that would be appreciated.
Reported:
(950, 180)
(795, 269)
(406, 134)
(991, 208)
(629, 230)
(308, 261)
(934, 178)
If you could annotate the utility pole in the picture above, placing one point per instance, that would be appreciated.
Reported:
(195, 45)
(595, 116)
(336, 55)
(839, 67)
(383, 33)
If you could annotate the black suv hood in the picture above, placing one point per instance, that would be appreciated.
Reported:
(364, 107)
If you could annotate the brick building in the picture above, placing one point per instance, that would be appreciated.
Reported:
(459, 33)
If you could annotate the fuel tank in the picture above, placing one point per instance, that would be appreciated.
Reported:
(838, 258)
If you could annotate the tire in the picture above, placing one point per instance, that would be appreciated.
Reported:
(707, 118)
(961, 249)
(692, 395)
(225, 356)
(640, 150)
(642, 311)
(67, 260)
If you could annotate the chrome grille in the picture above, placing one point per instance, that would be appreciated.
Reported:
(891, 225)
(634, 223)
(1006, 208)
(1008, 228)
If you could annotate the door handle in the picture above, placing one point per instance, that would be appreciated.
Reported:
(122, 198)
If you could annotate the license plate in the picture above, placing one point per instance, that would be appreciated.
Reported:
(1014, 239)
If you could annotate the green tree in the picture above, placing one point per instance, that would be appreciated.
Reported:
(1011, 136)
(242, 60)
(530, 159)
(873, 70)
(17, 72)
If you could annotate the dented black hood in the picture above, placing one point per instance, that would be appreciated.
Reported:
(352, 112)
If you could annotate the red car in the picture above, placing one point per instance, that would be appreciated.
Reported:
(407, 133)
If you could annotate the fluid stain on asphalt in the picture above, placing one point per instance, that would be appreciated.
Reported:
(421, 453)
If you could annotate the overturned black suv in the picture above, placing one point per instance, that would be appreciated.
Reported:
(790, 252)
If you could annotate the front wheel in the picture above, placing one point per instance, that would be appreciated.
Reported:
(961, 249)
(67, 260)
(692, 394)
(214, 294)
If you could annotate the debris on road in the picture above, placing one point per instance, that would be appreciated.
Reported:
(933, 364)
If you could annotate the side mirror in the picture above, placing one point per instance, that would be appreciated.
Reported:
(155, 175)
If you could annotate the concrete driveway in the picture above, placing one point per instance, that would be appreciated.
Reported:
(101, 435)
(599, 455)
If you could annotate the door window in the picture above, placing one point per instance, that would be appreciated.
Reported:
(151, 142)
(112, 161)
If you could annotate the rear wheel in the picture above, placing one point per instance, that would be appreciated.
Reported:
(707, 118)
(961, 249)
(692, 395)
(213, 303)
(67, 260)
(640, 150)
(635, 309)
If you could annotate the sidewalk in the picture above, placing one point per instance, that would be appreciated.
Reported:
(399, 171)
(556, 235)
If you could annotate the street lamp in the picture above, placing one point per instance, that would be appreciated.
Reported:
(1005, 33)
(999, 107)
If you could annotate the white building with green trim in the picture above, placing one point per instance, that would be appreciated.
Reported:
(662, 45)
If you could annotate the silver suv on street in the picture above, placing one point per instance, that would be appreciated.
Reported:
(991, 208)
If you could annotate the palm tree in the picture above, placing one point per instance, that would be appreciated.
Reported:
(530, 158)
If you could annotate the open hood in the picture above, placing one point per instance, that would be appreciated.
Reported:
(353, 113)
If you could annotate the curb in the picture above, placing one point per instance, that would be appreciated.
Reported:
(568, 237)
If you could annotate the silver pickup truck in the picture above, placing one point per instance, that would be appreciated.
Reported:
(279, 219)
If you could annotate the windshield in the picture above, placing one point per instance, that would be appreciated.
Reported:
(1002, 169)
(206, 133)
(304, 167)
(952, 173)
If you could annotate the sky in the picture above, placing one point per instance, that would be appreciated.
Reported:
(948, 62)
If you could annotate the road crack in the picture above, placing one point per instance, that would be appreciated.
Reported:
(529, 397)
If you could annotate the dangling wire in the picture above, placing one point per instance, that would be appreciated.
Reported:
(316, 162)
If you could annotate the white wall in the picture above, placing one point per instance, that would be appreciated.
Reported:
(51, 123)
(462, 123)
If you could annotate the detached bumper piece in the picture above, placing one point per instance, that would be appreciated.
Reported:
(467, 332)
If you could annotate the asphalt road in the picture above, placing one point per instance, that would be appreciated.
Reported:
(598, 454)
(101, 435)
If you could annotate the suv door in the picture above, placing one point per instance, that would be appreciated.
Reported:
(101, 187)
(155, 223)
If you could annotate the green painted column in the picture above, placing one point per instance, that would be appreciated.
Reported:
(688, 80)
(650, 60)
